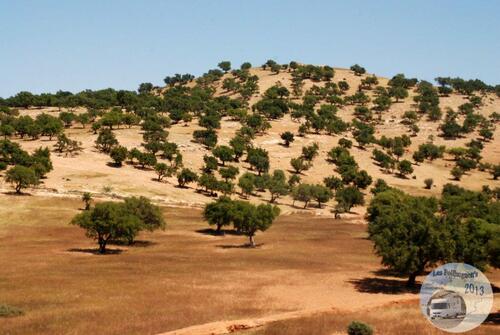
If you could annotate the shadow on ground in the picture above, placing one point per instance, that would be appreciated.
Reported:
(493, 319)
(383, 285)
(213, 232)
(239, 246)
(137, 243)
(96, 251)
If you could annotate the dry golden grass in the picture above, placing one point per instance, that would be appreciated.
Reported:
(184, 276)
(179, 277)
(393, 319)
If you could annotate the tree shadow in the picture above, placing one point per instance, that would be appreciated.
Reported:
(387, 272)
(114, 165)
(136, 243)
(94, 251)
(381, 285)
(213, 232)
(493, 319)
(239, 246)
(20, 194)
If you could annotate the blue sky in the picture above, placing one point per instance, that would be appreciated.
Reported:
(47, 45)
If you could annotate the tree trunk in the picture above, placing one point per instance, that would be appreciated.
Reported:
(102, 246)
(411, 280)
(252, 242)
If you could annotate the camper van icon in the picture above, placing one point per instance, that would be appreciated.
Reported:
(445, 304)
(456, 297)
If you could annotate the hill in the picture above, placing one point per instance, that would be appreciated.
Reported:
(89, 170)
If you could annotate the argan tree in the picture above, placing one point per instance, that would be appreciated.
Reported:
(219, 213)
(109, 221)
(287, 137)
(21, 177)
(406, 233)
(249, 218)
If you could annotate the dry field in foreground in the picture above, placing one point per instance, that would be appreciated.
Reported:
(396, 318)
(185, 276)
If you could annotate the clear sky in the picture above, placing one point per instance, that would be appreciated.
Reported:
(47, 45)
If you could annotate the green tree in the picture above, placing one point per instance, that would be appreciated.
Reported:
(146, 159)
(83, 119)
(363, 133)
(349, 197)
(249, 219)
(118, 154)
(333, 183)
(107, 221)
(21, 177)
(247, 183)
(223, 153)
(211, 164)
(405, 168)
(219, 213)
(304, 193)
(186, 176)
(495, 171)
(345, 143)
(246, 66)
(277, 185)
(7, 130)
(258, 158)
(362, 179)
(208, 182)
(457, 172)
(238, 144)
(406, 233)
(67, 118)
(106, 140)
(398, 93)
(287, 136)
(162, 170)
(298, 164)
(87, 200)
(310, 152)
(358, 70)
(229, 173)
(225, 66)
(380, 186)
(321, 194)
(150, 215)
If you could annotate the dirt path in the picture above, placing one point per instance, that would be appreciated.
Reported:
(232, 326)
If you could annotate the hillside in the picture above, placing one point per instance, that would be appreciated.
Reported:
(89, 170)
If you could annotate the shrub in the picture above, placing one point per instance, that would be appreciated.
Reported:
(8, 311)
(428, 183)
(457, 172)
(359, 328)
